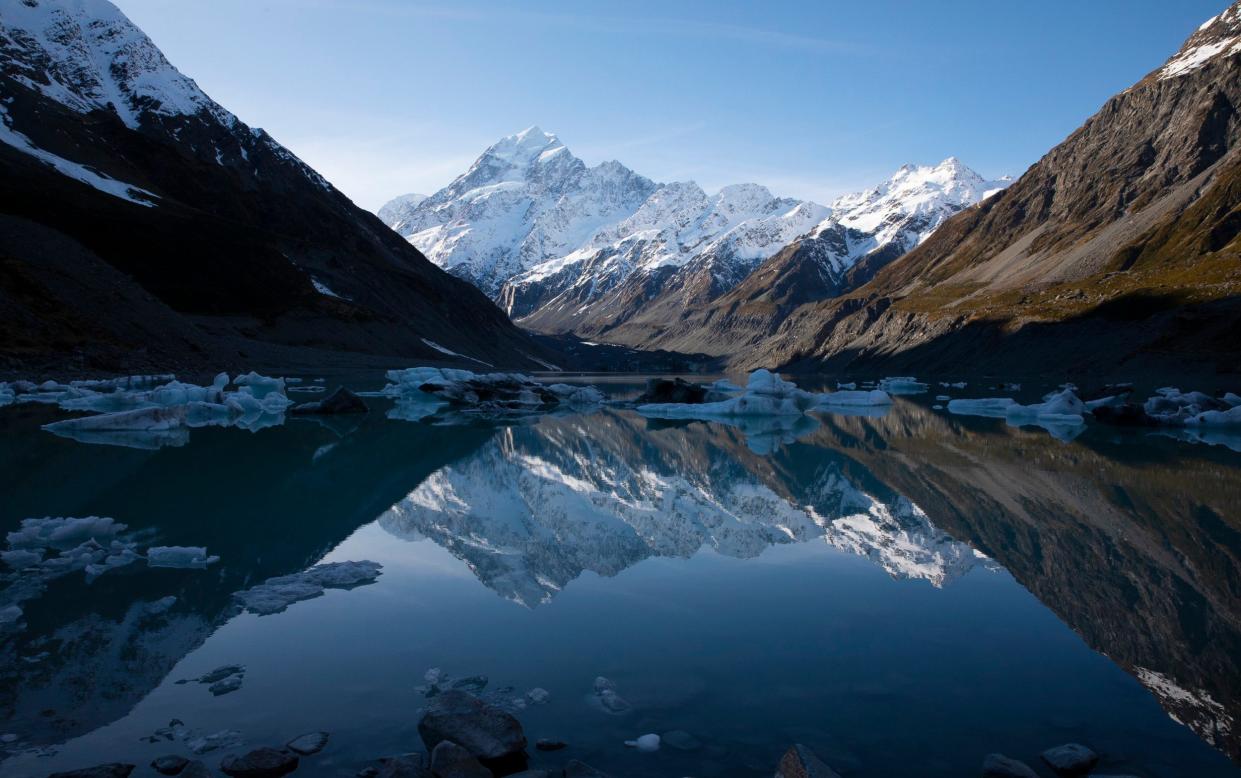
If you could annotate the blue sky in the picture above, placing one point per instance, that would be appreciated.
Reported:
(812, 99)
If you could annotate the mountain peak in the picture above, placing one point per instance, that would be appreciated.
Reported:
(1219, 36)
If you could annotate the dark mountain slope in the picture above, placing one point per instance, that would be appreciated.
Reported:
(114, 166)
(1133, 216)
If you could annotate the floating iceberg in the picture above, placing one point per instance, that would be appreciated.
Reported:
(766, 394)
(276, 594)
(63, 533)
(154, 417)
(903, 385)
(1061, 407)
(858, 398)
(992, 407)
(488, 393)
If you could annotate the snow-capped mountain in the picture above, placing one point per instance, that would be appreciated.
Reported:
(531, 215)
(395, 210)
(537, 506)
(894, 217)
(524, 201)
(567, 248)
(144, 200)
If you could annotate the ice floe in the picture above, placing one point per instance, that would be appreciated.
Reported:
(418, 389)
(44, 549)
(903, 385)
(141, 412)
(276, 594)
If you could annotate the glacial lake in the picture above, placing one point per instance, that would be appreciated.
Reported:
(904, 592)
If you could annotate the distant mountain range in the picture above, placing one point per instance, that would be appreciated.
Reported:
(603, 251)
(144, 225)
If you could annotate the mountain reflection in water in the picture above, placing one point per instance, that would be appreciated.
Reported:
(1132, 542)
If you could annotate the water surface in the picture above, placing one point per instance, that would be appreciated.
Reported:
(904, 592)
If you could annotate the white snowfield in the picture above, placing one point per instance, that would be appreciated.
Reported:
(527, 210)
(1219, 36)
(74, 170)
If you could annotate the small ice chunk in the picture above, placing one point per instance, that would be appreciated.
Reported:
(646, 743)
(903, 385)
(538, 695)
(276, 594)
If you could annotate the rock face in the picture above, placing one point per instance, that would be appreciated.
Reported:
(114, 161)
(486, 732)
(260, 763)
(1120, 242)
(800, 762)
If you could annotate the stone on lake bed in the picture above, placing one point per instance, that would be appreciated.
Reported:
(110, 770)
(1000, 766)
(576, 769)
(1070, 759)
(680, 740)
(196, 769)
(486, 731)
(310, 743)
(538, 695)
(172, 764)
(220, 673)
(450, 760)
(613, 702)
(800, 762)
(230, 684)
(404, 766)
(263, 762)
(603, 684)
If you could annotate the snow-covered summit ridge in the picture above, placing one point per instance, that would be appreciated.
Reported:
(1218, 36)
(87, 55)
(527, 213)
(913, 190)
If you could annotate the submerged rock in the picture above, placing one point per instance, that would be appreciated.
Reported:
(1000, 766)
(263, 762)
(340, 401)
(171, 764)
(403, 766)
(547, 744)
(310, 743)
(221, 672)
(450, 760)
(1070, 759)
(681, 740)
(486, 731)
(196, 769)
(800, 762)
(110, 770)
(576, 769)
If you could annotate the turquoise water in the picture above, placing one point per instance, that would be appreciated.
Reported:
(903, 593)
